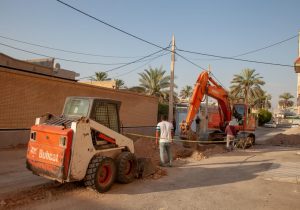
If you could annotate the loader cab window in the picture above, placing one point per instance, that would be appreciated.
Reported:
(239, 113)
(76, 107)
(106, 114)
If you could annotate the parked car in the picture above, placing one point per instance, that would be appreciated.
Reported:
(270, 125)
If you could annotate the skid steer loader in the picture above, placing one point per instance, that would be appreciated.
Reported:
(83, 143)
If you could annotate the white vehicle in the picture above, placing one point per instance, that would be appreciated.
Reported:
(270, 125)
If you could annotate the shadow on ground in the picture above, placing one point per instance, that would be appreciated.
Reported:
(198, 176)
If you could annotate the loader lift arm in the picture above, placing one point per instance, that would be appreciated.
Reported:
(206, 85)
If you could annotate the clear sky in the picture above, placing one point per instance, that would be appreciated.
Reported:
(220, 27)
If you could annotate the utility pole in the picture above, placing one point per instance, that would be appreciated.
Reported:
(172, 80)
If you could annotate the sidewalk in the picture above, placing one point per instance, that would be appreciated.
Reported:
(14, 176)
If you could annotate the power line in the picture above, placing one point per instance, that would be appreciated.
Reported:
(109, 25)
(62, 59)
(199, 67)
(189, 61)
(68, 51)
(266, 47)
(236, 59)
(129, 63)
(68, 60)
(256, 50)
(117, 76)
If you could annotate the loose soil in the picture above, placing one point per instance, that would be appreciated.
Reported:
(145, 147)
(285, 139)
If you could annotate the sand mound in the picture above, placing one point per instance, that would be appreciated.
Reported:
(147, 148)
(284, 140)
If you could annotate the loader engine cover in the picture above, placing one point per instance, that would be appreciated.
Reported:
(49, 151)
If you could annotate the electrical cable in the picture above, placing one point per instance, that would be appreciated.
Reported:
(109, 25)
(62, 59)
(69, 60)
(68, 51)
(189, 61)
(266, 47)
(256, 50)
(236, 59)
(135, 61)
(120, 75)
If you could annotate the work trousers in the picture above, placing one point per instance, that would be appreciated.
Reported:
(165, 148)
(229, 140)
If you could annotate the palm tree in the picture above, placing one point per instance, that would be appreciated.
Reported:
(137, 89)
(119, 83)
(247, 85)
(155, 82)
(186, 92)
(263, 101)
(286, 102)
(101, 76)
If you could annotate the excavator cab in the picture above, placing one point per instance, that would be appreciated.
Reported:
(239, 111)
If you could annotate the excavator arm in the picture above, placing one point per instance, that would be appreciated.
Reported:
(206, 85)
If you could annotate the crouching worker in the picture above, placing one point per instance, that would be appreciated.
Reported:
(164, 133)
(230, 135)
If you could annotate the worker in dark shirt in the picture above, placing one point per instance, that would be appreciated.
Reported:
(198, 120)
(230, 134)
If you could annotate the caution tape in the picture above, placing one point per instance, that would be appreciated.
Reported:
(179, 140)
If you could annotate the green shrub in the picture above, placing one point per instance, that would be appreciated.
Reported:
(264, 116)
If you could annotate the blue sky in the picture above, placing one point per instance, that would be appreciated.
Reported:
(216, 27)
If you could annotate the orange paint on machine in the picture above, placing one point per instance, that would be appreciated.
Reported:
(49, 150)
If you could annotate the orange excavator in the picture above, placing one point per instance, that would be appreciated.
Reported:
(206, 85)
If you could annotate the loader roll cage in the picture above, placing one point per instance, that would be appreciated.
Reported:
(103, 111)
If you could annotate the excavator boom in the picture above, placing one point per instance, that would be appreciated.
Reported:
(206, 85)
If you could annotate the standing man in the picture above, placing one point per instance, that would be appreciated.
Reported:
(164, 131)
(230, 133)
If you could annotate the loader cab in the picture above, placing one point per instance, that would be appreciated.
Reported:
(103, 111)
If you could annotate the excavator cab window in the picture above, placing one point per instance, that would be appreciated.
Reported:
(239, 113)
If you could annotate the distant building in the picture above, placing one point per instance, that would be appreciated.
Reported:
(106, 83)
(44, 66)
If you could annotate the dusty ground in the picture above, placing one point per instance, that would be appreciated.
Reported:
(263, 177)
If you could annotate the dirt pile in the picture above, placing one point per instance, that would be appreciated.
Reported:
(284, 140)
(41, 192)
(147, 148)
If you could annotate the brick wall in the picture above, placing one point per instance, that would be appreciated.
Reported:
(24, 96)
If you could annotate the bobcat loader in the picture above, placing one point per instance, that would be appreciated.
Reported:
(84, 143)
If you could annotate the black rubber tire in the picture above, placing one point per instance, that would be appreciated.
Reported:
(101, 174)
(126, 167)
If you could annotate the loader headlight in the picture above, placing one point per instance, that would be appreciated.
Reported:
(33, 135)
(62, 141)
